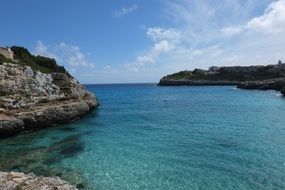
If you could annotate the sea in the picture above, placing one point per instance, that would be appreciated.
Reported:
(143, 136)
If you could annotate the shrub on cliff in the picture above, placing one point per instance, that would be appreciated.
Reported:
(2, 93)
(180, 75)
(41, 63)
(22, 54)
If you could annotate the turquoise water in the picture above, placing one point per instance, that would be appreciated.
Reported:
(149, 137)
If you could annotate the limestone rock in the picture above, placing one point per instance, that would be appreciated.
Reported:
(31, 99)
(20, 181)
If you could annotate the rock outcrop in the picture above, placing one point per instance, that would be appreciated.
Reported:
(30, 99)
(275, 84)
(224, 75)
(20, 181)
(270, 77)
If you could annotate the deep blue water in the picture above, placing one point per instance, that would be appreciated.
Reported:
(149, 137)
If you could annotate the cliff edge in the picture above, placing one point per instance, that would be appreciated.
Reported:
(37, 93)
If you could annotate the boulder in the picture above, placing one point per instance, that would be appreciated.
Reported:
(21, 181)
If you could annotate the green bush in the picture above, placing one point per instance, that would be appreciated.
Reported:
(180, 75)
(261, 73)
(40, 63)
(2, 93)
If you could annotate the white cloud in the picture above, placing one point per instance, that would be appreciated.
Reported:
(125, 10)
(231, 31)
(272, 21)
(107, 67)
(42, 49)
(92, 65)
(77, 59)
(164, 40)
(157, 33)
(67, 55)
(158, 48)
(203, 36)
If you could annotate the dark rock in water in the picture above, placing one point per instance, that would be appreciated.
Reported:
(67, 129)
(65, 142)
(65, 148)
(43, 161)
(283, 91)
(277, 84)
(80, 186)
(53, 159)
(72, 150)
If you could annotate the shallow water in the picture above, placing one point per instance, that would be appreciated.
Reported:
(149, 137)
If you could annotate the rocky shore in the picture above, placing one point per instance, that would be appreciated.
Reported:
(20, 181)
(270, 77)
(30, 99)
(275, 84)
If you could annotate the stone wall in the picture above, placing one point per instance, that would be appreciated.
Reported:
(7, 53)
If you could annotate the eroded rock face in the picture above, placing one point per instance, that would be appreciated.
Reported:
(274, 84)
(21, 86)
(20, 181)
(30, 99)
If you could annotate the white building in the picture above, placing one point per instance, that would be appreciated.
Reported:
(7, 53)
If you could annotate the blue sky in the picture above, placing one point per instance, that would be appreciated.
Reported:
(104, 41)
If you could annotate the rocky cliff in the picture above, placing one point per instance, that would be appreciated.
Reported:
(31, 99)
(36, 92)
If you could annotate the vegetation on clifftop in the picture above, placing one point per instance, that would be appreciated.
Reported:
(39, 63)
(230, 74)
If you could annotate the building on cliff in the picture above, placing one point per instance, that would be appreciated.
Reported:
(214, 69)
(7, 53)
(281, 65)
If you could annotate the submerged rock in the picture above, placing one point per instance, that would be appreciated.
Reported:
(283, 91)
(30, 99)
(21, 181)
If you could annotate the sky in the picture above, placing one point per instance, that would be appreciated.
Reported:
(139, 41)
